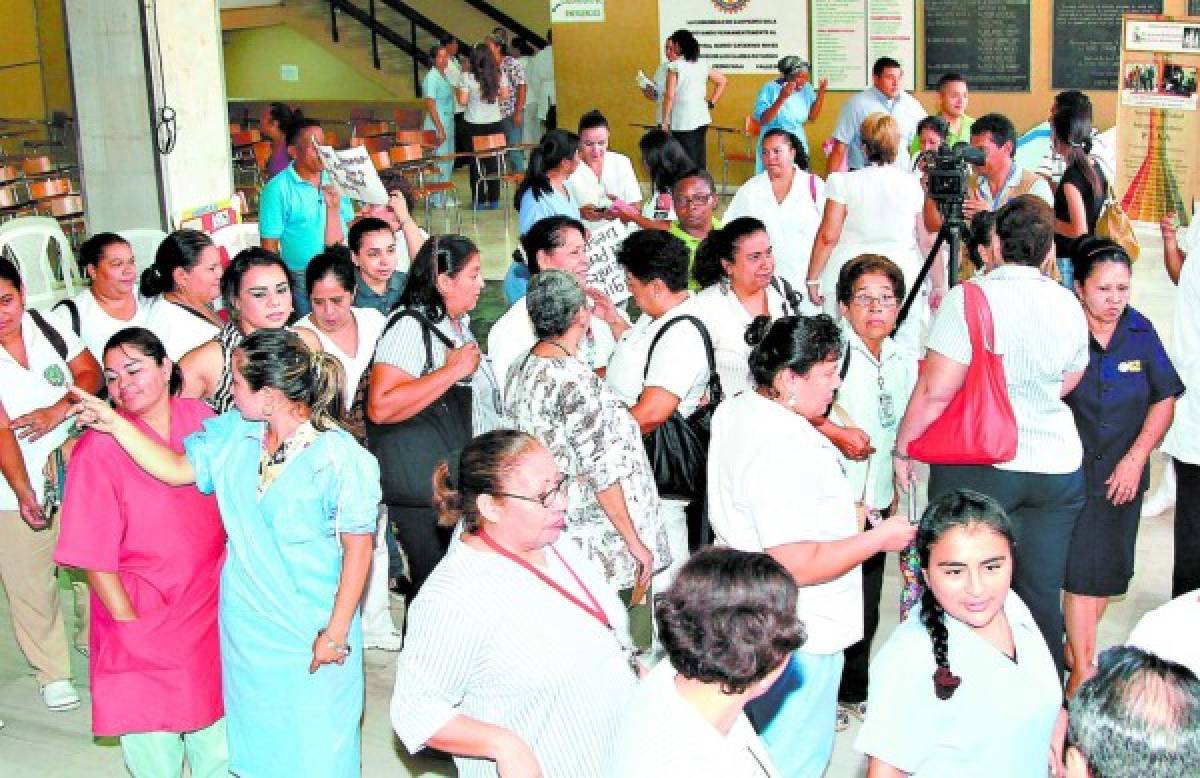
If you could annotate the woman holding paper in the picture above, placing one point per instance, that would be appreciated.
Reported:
(686, 105)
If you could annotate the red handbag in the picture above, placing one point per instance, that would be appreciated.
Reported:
(978, 427)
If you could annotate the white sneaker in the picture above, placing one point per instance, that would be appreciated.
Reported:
(60, 695)
(388, 641)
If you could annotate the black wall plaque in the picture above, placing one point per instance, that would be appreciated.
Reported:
(1087, 40)
(985, 41)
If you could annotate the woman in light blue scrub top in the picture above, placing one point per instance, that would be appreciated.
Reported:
(439, 106)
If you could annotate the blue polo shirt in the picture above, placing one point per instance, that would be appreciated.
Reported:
(904, 109)
(1118, 387)
(292, 211)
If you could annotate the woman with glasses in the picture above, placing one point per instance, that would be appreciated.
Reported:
(612, 507)
(877, 380)
(517, 657)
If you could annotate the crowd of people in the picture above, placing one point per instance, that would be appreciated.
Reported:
(630, 545)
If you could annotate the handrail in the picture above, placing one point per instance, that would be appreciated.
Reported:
(421, 20)
(377, 28)
(487, 9)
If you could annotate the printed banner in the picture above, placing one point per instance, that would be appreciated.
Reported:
(1157, 118)
(739, 36)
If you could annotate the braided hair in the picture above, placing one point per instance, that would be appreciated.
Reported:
(961, 508)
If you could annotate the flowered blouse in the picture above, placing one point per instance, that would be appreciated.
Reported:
(596, 443)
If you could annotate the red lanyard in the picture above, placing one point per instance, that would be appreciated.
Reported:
(594, 610)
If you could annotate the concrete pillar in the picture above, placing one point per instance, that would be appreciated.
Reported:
(130, 59)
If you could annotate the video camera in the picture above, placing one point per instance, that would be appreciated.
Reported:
(946, 172)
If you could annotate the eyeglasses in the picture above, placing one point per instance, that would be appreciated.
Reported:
(558, 490)
(688, 202)
(867, 301)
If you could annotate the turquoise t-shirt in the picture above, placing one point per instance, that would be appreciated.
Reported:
(292, 211)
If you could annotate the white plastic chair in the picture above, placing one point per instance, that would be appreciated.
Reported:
(236, 237)
(145, 242)
(48, 278)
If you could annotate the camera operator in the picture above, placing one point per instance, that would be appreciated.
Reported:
(999, 179)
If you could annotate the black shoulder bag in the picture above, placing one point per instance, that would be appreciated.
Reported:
(678, 448)
(408, 451)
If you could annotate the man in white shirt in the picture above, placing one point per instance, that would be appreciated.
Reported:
(885, 94)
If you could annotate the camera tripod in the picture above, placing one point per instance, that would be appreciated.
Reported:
(954, 225)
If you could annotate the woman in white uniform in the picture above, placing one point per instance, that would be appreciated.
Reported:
(971, 649)
(675, 378)
(777, 485)
(790, 200)
(874, 210)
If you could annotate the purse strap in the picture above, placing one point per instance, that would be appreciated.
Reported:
(979, 319)
(715, 392)
(427, 327)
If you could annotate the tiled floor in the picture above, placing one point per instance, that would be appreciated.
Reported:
(38, 744)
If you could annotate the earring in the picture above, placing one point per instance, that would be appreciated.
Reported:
(791, 401)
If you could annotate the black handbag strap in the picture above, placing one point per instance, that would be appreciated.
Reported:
(427, 327)
(715, 392)
(51, 334)
(788, 293)
(73, 312)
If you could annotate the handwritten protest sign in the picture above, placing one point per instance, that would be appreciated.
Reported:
(351, 169)
(603, 271)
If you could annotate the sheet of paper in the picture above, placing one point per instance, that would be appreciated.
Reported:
(354, 174)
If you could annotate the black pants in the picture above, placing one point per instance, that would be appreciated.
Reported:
(854, 672)
(462, 140)
(694, 143)
(423, 541)
(490, 192)
(1187, 529)
(1043, 509)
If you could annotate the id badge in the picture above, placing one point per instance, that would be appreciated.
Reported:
(887, 410)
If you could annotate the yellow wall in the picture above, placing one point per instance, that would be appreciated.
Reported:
(34, 79)
(252, 69)
(629, 40)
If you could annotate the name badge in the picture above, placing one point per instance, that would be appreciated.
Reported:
(1130, 366)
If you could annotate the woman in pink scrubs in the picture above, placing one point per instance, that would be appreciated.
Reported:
(153, 556)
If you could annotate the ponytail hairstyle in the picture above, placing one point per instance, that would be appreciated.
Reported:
(1071, 122)
(148, 345)
(279, 359)
(546, 235)
(179, 250)
(665, 159)
(480, 468)
(485, 71)
(557, 146)
(796, 343)
(961, 508)
(719, 247)
(447, 254)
